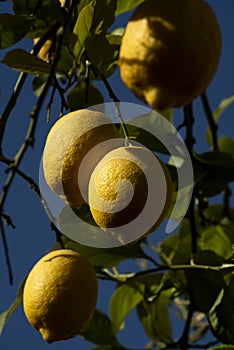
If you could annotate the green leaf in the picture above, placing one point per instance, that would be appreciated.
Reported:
(124, 299)
(82, 28)
(4, 316)
(204, 287)
(221, 317)
(99, 329)
(82, 96)
(124, 6)
(155, 318)
(13, 28)
(39, 83)
(224, 104)
(24, 7)
(222, 347)
(23, 61)
(104, 16)
(103, 51)
(218, 172)
(214, 238)
(226, 144)
(106, 257)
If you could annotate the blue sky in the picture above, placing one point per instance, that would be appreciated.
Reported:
(32, 236)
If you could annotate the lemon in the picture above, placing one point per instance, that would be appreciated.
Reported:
(170, 51)
(130, 192)
(68, 142)
(60, 295)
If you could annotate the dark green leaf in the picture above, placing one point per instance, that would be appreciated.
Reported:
(24, 7)
(104, 16)
(221, 317)
(208, 258)
(82, 28)
(23, 61)
(124, 6)
(39, 83)
(4, 316)
(124, 299)
(204, 287)
(102, 51)
(13, 28)
(155, 318)
(83, 96)
(99, 329)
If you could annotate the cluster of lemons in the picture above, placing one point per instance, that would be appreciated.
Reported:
(169, 55)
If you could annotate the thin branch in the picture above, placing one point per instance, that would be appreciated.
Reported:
(210, 119)
(6, 250)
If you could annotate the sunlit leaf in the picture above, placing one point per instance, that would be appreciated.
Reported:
(124, 299)
(224, 104)
(226, 144)
(124, 6)
(4, 316)
(13, 28)
(222, 347)
(82, 28)
(214, 238)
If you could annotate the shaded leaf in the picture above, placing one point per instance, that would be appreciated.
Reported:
(23, 61)
(123, 300)
(204, 287)
(226, 144)
(124, 6)
(99, 329)
(221, 317)
(13, 28)
(155, 318)
(104, 16)
(222, 347)
(103, 51)
(24, 7)
(4, 316)
(39, 83)
(82, 96)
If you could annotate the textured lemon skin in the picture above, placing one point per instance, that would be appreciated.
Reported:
(170, 51)
(68, 142)
(60, 295)
(124, 163)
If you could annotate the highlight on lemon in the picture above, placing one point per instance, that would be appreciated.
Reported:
(60, 295)
(130, 192)
(170, 51)
(68, 142)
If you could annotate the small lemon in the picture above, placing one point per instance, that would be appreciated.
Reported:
(130, 192)
(170, 51)
(60, 295)
(68, 142)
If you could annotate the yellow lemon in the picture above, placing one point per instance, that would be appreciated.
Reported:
(170, 51)
(60, 295)
(69, 141)
(130, 193)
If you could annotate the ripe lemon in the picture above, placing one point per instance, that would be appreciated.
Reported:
(170, 51)
(130, 192)
(60, 295)
(68, 142)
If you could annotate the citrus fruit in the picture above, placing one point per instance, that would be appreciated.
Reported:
(130, 192)
(60, 294)
(44, 51)
(68, 142)
(170, 51)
